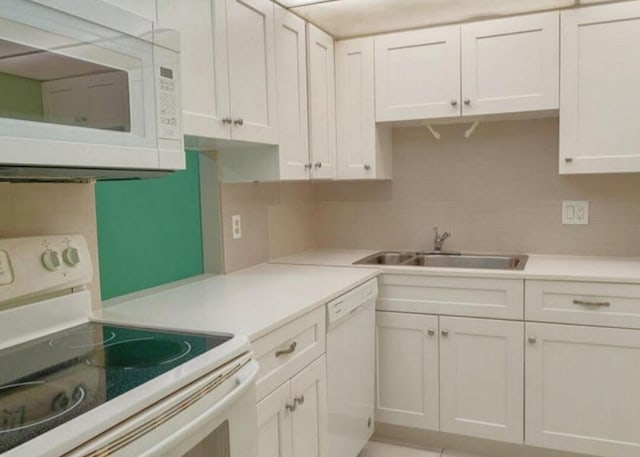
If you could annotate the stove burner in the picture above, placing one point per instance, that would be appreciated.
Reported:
(25, 406)
(83, 339)
(139, 353)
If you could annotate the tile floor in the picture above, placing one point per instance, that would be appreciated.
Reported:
(377, 449)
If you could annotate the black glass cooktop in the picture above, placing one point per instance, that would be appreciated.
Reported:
(51, 380)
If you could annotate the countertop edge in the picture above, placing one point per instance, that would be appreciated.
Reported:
(306, 310)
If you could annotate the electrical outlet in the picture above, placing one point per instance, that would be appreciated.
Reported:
(575, 212)
(236, 226)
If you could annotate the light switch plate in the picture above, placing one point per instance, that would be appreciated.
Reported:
(236, 226)
(575, 212)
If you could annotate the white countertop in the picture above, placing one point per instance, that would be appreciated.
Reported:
(257, 300)
(250, 302)
(551, 267)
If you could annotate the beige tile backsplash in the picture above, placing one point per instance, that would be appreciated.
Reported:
(498, 191)
(51, 209)
(277, 219)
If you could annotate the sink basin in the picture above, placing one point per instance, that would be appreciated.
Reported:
(469, 261)
(473, 261)
(386, 258)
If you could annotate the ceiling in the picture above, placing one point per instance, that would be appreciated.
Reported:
(350, 18)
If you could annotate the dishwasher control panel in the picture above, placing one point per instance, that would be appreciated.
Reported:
(352, 300)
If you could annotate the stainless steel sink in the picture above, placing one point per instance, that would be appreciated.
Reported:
(469, 261)
(386, 258)
(474, 261)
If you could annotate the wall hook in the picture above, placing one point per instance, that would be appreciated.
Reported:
(470, 130)
(433, 131)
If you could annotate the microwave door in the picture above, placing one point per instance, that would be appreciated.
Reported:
(68, 80)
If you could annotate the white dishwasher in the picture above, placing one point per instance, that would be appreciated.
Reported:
(351, 369)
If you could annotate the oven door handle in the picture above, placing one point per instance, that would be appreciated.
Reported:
(244, 379)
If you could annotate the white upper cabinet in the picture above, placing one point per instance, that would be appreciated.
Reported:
(228, 66)
(582, 389)
(205, 81)
(417, 74)
(252, 70)
(322, 104)
(482, 378)
(504, 65)
(291, 54)
(600, 89)
(363, 150)
(511, 65)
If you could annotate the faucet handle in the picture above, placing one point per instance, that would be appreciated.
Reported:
(439, 239)
(444, 235)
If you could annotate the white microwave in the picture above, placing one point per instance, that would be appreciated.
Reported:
(87, 90)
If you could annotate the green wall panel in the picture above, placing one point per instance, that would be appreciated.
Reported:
(20, 98)
(149, 231)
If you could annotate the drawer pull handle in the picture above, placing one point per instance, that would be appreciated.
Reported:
(291, 406)
(591, 303)
(299, 400)
(289, 350)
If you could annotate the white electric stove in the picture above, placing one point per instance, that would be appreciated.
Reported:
(77, 388)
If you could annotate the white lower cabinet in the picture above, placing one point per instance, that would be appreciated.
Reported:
(407, 370)
(482, 378)
(274, 424)
(292, 421)
(457, 375)
(582, 392)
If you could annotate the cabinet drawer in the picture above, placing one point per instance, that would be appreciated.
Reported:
(475, 297)
(287, 350)
(587, 303)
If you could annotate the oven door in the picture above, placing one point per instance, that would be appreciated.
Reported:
(85, 87)
(212, 417)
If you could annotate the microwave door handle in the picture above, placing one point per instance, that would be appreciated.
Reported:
(244, 379)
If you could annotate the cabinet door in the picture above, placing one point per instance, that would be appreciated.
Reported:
(511, 65)
(203, 58)
(144, 8)
(108, 102)
(274, 424)
(309, 421)
(363, 150)
(64, 101)
(600, 89)
(418, 74)
(291, 54)
(582, 389)
(322, 103)
(252, 70)
(407, 370)
(482, 378)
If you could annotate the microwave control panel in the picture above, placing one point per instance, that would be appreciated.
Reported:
(168, 103)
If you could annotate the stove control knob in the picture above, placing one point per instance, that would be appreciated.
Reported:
(71, 256)
(50, 260)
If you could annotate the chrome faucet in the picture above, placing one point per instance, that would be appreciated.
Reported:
(438, 240)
